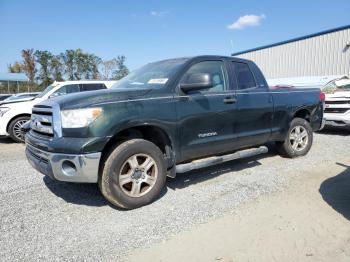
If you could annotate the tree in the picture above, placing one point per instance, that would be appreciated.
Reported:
(56, 68)
(73, 64)
(122, 69)
(68, 58)
(15, 68)
(29, 64)
(86, 65)
(108, 67)
(80, 62)
(94, 62)
(80, 65)
(43, 58)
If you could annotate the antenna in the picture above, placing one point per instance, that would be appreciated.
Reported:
(231, 42)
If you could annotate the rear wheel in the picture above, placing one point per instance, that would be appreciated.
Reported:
(14, 128)
(134, 174)
(299, 139)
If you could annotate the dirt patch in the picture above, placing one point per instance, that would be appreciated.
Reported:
(308, 222)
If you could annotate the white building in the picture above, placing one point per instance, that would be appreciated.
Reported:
(322, 54)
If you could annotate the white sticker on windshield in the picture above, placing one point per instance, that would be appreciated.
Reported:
(160, 81)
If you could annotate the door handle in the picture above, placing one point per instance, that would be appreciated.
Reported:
(230, 100)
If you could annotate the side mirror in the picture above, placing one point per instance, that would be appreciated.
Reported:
(197, 81)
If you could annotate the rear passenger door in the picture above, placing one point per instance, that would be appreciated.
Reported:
(254, 104)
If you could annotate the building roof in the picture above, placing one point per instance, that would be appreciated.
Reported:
(293, 40)
(20, 77)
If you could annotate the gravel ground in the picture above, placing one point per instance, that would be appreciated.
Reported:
(45, 220)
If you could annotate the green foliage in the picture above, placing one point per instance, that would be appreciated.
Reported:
(15, 68)
(43, 58)
(57, 68)
(121, 70)
(42, 67)
(80, 65)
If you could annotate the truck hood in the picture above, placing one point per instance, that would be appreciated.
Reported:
(89, 99)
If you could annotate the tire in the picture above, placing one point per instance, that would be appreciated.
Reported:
(297, 143)
(14, 128)
(133, 175)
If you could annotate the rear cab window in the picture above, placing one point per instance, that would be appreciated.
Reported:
(92, 87)
(67, 89)
(244, 76)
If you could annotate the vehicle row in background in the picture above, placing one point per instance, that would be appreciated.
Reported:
(14, 114)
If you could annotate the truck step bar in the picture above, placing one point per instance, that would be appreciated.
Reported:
(197, 164)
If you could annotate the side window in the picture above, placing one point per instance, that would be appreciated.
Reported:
(217, 71)
(67, 89)
(92, 86)
(245, 78)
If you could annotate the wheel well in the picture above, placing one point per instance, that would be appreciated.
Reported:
(13, 118)
(153, 134)
(303, 113)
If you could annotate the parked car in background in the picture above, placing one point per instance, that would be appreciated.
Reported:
(337, 107)
(4, 96)
(13, 115)
(168, 117)
(19, 97)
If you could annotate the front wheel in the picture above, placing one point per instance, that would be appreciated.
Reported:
(299, 139)
(14, 128)
(134, 174)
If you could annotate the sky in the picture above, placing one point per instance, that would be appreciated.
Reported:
(146, 31)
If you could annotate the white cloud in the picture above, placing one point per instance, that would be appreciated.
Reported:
(159, 13)
(246, 21)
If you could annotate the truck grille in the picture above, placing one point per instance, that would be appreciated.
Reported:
(338, 102)
(336, 110)
(42, 121)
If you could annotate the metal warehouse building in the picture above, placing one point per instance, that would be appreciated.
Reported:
(321, 54)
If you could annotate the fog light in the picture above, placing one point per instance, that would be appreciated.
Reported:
(68, 168)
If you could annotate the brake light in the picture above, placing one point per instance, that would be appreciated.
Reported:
(322, 96)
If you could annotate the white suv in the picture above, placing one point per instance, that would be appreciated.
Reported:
(14, 115)
(337, 111)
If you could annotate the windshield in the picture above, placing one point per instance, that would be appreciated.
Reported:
(47, 90)
(337, 85)
(153, 75)
(11, 98)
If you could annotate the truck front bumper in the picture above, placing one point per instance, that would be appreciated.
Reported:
(337, 120)
(80, 168)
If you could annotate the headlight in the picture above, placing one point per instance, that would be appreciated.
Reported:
(78, 118)
(3, 110)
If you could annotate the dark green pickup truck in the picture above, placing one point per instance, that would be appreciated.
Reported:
(165, 118)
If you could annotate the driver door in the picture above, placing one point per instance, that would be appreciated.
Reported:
(206, 117)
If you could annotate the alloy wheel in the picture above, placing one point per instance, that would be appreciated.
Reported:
(138, 175)
(298, 138)
(17, 129)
